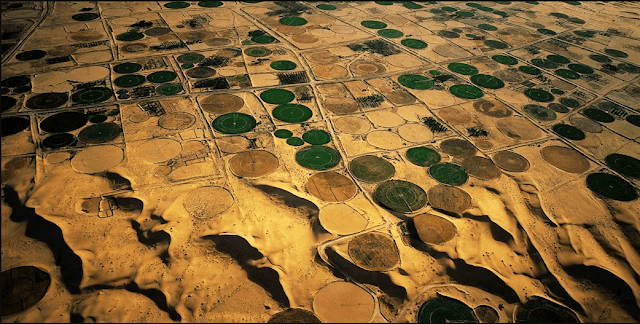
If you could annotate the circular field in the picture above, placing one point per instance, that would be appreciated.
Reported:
(530, 70)
(130, 36)
(518, 128)
(59, 140)
(415, 133)
(540, 113)
(415, 81)
(400, 196)
(585, 124)
(22, 288)
(210, 4)
(295, 141)
(510, 161)
(371, 168)
(233, 144)
(283, 65)
(434, 229)
(207, 202)
(373, 24)
(481, 168)
(374, 252)
(504, 59)
(293, 21)
(129, 80)
(422, 156)
(263, 39)
(611, 186)
(316, 137)
(624, 164)
(445, 310)
(234, 123)
(492, 107)
(13, 125)
(598, 115)
(352, 125)
(570, 132)
(330, 186)
(540, 310)
(99, 133)
(293, 315)
(458, 147)
(600, 58)
(325, 6)
(258, 51)
(466, 91)
(277, 96)
(558, 59)
(253, 164)
(448, 198)
(201, 72)
(414, 43)
(31, 55)
(557, 107)
(464, 69)
(342, 302)
(390, 33)
(159, 150)
(546, 31)
(487, 81)
(192, 58)
(496, 44)
(157, 31)
(126, 68)
(544, 63)
(222, 103)
(634, 120)
(580, 68)
(616, 53)
(96, 159)
(46, 100)
(567, 74)
(85, 16)
(565, 159)
(283, 133)
(570, 102)
(292, 113)
(318, 157)
(16, 81)
(176, 120)
(161, 76)
(448, 173)
(168, 89)
(341, 219)
(539, 95)
(63, 122)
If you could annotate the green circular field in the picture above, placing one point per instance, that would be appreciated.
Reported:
(85, 16)
(487, 81)
(557, 91)
(628, 67)
(445, 310)
(16, 81)
(168, 89)
(539, 310)
(570, 132)
(449, 9)
(257, 51)
(63, 122)
(129, 36)
(414, 43)
(634, 120)
(583, 33)
(611, 186)
(530, 69)
(234, 123)
(126, 68)
(544, 63)
(496, 44)
(59, 140)
(263, 39)
(295, 141)
(546, 31)
(570, 102)
(448, 173)
(466, 91)
(412, 5)
(293, 21)
(129, 80)
(99, 133)
(504, 59)
(580, 68)
(558, 59)
(390, 33)
(400, 196)
(371, 168)
(558, 108)
(624, 164)
(277, 96)
(190, 58)
(292, 113)
(600, 58)
(177, 5)
(539, 95)
(598, 115)
(464, 14)
(568, 74)
(210, 4)
(283, 65)
(373, 24)
(161, 76)
(325, 6)
(539, 112)
(283, 133)
(316, 137)
(464, 69)
(91, 95)
(318, 158)
(415, 81)
(423, 156)
(616, 53)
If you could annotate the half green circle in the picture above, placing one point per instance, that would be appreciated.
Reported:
(373, 24)
(293, 21)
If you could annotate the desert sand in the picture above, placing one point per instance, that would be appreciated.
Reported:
(361, 161)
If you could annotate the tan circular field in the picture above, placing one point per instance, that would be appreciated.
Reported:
(366, 68)
(585, 124)
(455, 115)
(219, 104)
(253, 164)
(415, 133)
(291, 30)
(481, 167)
(207, 202)
(322, 56)
(434, 229)
(374, 252)
(159, 150)
(232, 144)
(304, 38)
(385, 140)
(385, 118)
(331, 186)
(97, 159)
(330, 71)
(449, 198)
(343, 302)
(565, 159)
(518, 128)
(177, 120)
(341, 219)
(400, 97)
(352, 125)
(510, 161)
(341, 106)
(492, 107)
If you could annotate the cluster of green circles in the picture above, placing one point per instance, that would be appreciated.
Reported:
(414, 43)
(293, 21)
(283, 65)
(277, 96)
(466, 91)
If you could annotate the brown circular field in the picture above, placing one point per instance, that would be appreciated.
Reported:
(449, 198)
(341, 106)
(304, 38)
(294, 315)
(565, 159)
(291, 30)
(22, 288)
(585, 124)
(330, 71)
(374, 252)
(400, 97)
(487, 314)
(455, 115)
(253, 164)
(219, 104)
(322, 56)
(217, 41)
(458, 148)
(434, 229)
(510, 161)
(207, 202)
(232, 144)
(492, 107)
(331, 186)
(159, 150)
(481, 167)
(518, 128)
(366, 68)
(176, 120)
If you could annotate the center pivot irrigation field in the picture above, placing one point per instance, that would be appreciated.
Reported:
(305, 161)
